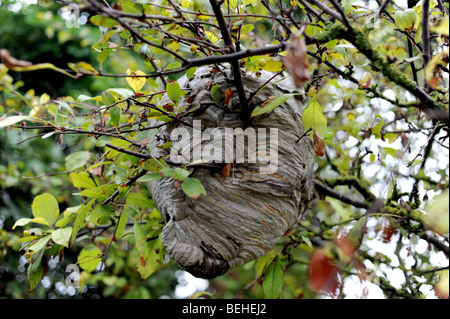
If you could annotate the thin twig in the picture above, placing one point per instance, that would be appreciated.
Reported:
(325, 9)
(127, 184)
(342, 13)
(382, 8)
(325, 190)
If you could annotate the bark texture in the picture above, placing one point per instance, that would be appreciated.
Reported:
(247, 212)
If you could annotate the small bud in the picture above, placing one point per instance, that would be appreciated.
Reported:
(193, 48)
(262, 63)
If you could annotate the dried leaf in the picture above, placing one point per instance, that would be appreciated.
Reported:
(295, 61)
(12, 62)
(432, 69)
(319, 145)
(322, 274)
(226, 170)
(228, 95)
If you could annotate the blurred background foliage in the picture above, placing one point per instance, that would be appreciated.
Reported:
(39, 34)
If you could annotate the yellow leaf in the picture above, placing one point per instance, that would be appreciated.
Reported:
(442, 27)
(432, 80)
(211, 37)
(44, 98)
(336, 55)
(273, 66)
(136, 83)
(174, 45)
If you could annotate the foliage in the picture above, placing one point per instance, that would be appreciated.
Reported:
(376, 76)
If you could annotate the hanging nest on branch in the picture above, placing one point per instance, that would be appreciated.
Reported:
(248, 209)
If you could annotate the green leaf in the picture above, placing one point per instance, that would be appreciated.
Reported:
(150, 177)
(215, 93)
(40, 243)
(261, 263)
(313, 117)
(130, 7)
(271, 103)
(437, 217)
(80, 219)
(140, 200)
(193, 188)
(62, 236)
(35, 270)
(89, 258)
(167, 172)
(11, 120)
(180, 174)
(82, 180)
(121, 224)
(66, 107)
(190, 72)
(273, 279)
(46, 207)
(21, 222)
(115, 115)
(140, 240)
(173, 91)
(100, 215)
(149, 253)
(105, 22)
(108, 98)
(173, 66)
(247, 28)
(77, 160)
(356, 234)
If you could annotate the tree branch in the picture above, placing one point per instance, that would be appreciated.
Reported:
(426, 34)
(226, 35)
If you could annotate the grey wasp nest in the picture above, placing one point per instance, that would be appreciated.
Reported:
(245, 213)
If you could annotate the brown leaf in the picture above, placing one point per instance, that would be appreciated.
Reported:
(319, 145)
(388, 231)
(226, 170)
(209, 85)
(191, 99)
(322, 275)
(228, 95)
(168, 107)
(12, 62)
(295, 61)
(433, 82)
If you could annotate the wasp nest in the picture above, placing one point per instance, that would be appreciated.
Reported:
(246, 211)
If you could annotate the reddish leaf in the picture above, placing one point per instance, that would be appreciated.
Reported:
(319, 145)
(191, 99)
(168, 107)
(388, 231)
(295, 61)
(226, 170)
(228, 95)
(345, 245)
(322, 274)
